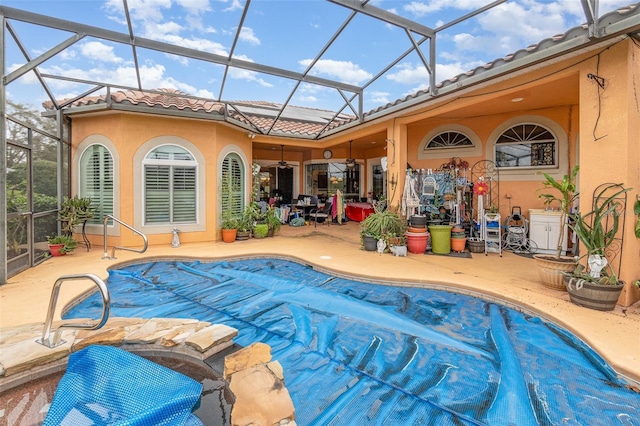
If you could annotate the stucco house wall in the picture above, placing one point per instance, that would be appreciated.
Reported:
(599, 131)
(132, 136)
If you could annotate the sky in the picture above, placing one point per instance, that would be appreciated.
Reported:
(286, 34)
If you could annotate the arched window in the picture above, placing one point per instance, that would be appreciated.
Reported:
(526, 145)
(448, 140)
(170, 186)
(96, 180)
(232, 193)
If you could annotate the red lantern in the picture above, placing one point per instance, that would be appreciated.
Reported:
(481, 188)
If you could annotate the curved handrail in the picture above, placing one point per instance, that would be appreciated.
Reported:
(113, 251)
(53, 341)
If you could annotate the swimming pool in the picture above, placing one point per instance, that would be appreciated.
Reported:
(361, 353)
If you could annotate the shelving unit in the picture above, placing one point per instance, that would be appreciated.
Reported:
(492, 233)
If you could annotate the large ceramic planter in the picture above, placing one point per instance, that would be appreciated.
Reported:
(440, 238)
(551, 270)
(229, 235)
(417, 242)
(601, 297)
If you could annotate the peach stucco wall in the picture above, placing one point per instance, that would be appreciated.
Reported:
(610, 140)
(128, 132)
(522, 192)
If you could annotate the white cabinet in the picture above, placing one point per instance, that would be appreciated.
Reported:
(544, 230)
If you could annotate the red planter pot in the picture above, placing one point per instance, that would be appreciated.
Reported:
(417, 242)
(54, 249)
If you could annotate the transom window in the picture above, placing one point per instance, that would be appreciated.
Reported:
(526, 145)
(96, 181)
(170, 186)
(449, 139)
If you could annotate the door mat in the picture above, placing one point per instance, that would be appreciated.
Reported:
(465, 254)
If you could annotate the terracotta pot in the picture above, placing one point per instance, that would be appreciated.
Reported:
(417, 230)
(551, 270)
(229, 235)
(54, 249)
(458, 244)
(417, 242)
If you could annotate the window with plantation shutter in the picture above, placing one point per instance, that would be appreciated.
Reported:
(96, 181)
(170, 186)
(233, 181)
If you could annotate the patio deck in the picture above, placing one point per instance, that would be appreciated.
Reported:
(512, 279)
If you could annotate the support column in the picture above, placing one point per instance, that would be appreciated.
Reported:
(609, 141)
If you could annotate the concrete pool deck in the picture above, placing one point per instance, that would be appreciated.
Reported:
(512, 279)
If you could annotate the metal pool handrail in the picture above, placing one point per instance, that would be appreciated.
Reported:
(52, 341)
(113, 251)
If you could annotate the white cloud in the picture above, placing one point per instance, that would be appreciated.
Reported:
(195, 7)
(146, 10)
(204, 93)
(416, 75)
(345, 71)
(409, 74)
(99, 51)
(233, 5)
(246, 34)
(240, 74)
(420, 9)
(379, 97)
(307, 99)
(196, 43)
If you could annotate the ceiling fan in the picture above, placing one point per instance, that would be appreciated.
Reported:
(350, 161)
(282, 164)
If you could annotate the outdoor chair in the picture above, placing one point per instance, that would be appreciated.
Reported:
(324, 213)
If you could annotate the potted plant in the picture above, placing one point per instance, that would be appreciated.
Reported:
(597, 286)
(245, 225)
(260, 230)
(74, 211)
(229, 227)
(229, 220)
(564, 193)
(273, 220)
(458, 239)
(59, 245)
(383, 224)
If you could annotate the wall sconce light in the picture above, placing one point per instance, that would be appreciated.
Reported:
(393, 182)
(251, 135)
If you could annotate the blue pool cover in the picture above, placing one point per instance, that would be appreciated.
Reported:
(360, 353)
(104, 385)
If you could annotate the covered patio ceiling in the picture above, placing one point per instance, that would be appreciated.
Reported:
(219, 65)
